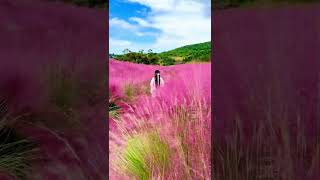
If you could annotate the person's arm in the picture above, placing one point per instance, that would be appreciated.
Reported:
(152, 84)
(161, 81)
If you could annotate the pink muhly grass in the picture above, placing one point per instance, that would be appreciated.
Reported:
(180, 116)
(273, 152)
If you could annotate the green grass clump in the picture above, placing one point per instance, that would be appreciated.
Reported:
(114, 110)
(129, 92)
(159, 151)
(15, 156)
(134, 157)
(146, 154)
(16, 152)
(63, 89)
(146, 89)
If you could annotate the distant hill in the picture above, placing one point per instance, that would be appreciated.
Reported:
(193, 52)
(200, 52)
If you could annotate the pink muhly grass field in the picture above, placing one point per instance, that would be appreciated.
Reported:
(55, 84)
(165, 137)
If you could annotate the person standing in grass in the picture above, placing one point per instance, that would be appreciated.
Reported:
(156, 82)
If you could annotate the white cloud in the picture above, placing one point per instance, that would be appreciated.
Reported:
(117, 45)
(143, 11)
(119, 42)
(146, 34)
(136, 29)
(141, 22)
(180, 22)
(115, 22)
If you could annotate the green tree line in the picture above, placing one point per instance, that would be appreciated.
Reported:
(196, 52)
(144, 58)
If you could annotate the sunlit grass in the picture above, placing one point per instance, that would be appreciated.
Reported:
(144, 154)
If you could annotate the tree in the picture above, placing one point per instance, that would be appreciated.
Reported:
(167, 61)
(126, 51)
(141, 51)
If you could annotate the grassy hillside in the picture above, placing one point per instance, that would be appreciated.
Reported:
(52, 93)
(191, 53)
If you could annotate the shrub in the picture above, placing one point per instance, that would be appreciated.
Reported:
(113, 110)
(129, 91)
(167, 61)
(144, 154)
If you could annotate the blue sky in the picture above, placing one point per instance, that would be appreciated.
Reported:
(159, 25)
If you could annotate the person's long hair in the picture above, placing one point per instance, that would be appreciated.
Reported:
(157, 78)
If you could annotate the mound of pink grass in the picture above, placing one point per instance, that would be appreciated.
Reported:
(53, 69)
(162, 137)
(266, 93)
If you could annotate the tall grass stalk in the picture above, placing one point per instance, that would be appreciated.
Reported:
(271, 152)
(16, 153)
(167, 136)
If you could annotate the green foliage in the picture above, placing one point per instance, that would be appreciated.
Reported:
(153, 58)
(129, 92)
(113, 109)
(64, 92)
(201, 57)
(16, 152)
(197, 52)
(134, 158)
(167, 61)
(140, 57)
(159, 151)
(63, 89)
(132, 91)
(146, 89)
(145, 154)
(63, 83)
(15, 156)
